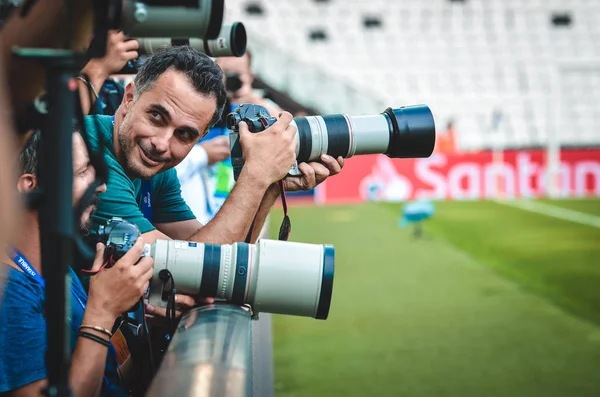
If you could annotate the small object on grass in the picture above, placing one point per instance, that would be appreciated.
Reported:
(416, 212)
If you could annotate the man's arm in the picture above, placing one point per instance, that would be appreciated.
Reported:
(265, 207)
(119, 51)
(89, 358)
(87, 365)
(237, 209)
(230, 224)
(89, 86)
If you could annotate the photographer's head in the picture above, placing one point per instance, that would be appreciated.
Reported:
(84, 173)
(176, 97)
(242, 68)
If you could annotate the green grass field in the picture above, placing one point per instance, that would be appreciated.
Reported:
(491, 301)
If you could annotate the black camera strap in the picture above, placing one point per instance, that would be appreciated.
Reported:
(286, 225)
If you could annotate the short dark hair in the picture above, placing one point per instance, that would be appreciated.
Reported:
(29, 159)
(206, 77)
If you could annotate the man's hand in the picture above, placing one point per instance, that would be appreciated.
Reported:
(217, 149)
(119, 51)
(115, 290)
(313, 173)
(270, 154)
(183, 302)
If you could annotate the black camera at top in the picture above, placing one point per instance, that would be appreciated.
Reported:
(256, 117)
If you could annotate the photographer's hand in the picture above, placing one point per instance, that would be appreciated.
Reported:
(119, 51)
(184, 302)
(270, 154)
(217, 149)
(115, 290)
(313, 173)
(112, 291)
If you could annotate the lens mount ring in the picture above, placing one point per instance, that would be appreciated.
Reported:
(240, 275)
(238, 39)
(395, 130)
(326, 283)
(225, 279)
(352, 143)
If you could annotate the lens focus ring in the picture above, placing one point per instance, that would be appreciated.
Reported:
(224, 279)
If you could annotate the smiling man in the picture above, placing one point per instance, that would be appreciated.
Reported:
(176, 97)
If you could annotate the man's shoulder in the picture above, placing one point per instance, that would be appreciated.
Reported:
(22, 332)
(97, 126)
(23, 299)
(20, 289)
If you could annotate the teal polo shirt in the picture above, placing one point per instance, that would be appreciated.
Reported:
(123, 196)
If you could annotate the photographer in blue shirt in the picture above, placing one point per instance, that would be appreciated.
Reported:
(99, 356)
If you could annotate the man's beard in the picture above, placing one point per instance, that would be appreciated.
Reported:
(127, 147)
(85, 226)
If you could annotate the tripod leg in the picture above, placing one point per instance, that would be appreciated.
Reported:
(418, 230)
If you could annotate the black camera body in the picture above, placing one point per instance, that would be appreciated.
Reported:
(119, 236)
(257, 118)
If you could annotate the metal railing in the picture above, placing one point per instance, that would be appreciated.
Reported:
(210, 355)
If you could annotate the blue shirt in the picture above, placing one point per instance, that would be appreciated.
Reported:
(23, 333)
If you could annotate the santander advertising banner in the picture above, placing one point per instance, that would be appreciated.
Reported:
(518, 174)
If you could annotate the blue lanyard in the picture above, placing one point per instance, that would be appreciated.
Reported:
(24, 264)
(147, 200)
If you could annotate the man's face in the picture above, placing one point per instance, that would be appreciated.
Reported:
(161, 127)
(84, 175)
(241, 67)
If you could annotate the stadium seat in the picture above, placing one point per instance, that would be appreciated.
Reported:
(463, 59)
